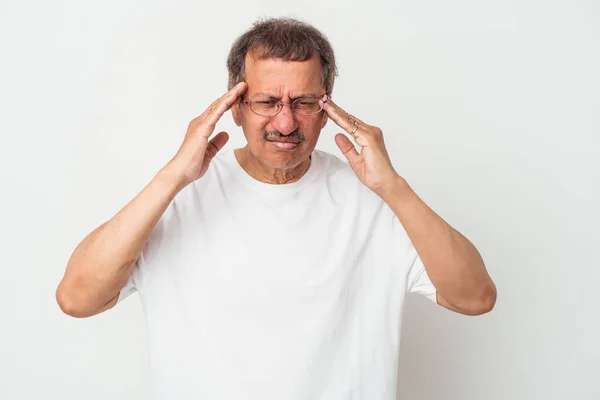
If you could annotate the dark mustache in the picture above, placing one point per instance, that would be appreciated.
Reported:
(276, 135)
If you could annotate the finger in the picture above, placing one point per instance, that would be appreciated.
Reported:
(234, 92)
(216, 144)
(218, 108)
(348, 149)
(343, 119)
(225, 102)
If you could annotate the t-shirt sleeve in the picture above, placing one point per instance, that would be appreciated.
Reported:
(413, 269)
(418, 280)
(148, 255)
(129, 287)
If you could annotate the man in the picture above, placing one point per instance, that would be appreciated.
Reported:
(276, 271)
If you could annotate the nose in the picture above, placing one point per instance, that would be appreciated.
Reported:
(285, 122)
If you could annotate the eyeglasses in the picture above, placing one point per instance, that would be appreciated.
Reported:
(302, 106)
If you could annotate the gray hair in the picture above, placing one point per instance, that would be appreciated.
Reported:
(284, 38)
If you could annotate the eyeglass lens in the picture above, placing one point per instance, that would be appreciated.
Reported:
(302, 106)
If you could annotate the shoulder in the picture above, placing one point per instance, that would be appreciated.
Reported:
(334, 167)
(341, 180)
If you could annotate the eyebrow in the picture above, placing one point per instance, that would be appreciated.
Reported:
(271, 96)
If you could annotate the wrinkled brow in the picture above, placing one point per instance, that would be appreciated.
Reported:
(271, 96)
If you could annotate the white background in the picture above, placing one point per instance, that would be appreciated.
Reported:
(490, 109)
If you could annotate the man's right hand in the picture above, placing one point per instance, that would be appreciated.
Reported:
(101, 264)
(196, 151)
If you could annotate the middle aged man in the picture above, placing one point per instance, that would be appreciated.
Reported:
(276, 271)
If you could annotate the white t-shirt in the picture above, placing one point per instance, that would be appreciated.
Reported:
(260, 291)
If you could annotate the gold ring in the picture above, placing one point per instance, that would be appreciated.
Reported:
(356, 126)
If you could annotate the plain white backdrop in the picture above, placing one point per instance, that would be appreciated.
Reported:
(490, 109)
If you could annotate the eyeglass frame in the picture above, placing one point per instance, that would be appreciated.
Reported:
(281, 104)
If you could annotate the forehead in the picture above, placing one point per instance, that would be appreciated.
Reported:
(281, 78)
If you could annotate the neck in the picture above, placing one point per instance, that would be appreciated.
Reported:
(264, 173)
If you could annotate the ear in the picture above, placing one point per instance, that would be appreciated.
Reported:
(325, 119)
(235, 112)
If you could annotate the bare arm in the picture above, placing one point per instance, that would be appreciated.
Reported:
(100, 265)
(452, 262)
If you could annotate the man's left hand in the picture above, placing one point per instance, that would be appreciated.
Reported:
(372, 165)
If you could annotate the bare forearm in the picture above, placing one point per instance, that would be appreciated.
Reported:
(100, 265)
(453, 264)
